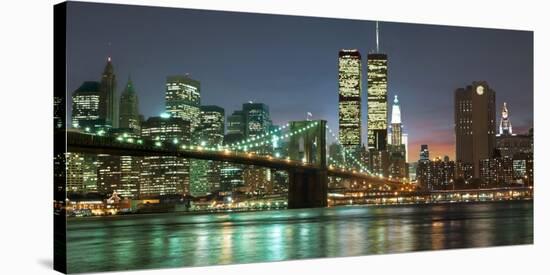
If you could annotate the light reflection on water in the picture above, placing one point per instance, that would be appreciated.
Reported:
(174, 240)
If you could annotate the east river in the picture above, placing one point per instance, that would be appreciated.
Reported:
(178, 240)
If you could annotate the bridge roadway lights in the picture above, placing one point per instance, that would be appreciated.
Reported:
(307, 188)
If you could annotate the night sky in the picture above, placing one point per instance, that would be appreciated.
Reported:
(291, 63)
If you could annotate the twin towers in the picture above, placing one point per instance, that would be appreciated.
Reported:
(349, 104)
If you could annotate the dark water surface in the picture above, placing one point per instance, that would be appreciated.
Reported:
(175, 240)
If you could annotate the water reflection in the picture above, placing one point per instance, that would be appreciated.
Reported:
(173, 240)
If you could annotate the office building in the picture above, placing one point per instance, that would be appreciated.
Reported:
(475, 124)
(183, 99)
(85, 106)
(107, 96)
(129, 117)
(349, 101)
(205, 174)
(165, 175)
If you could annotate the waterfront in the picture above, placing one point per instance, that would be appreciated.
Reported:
(174, 240)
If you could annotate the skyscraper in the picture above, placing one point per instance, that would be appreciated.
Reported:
(212, 125)
(183, 99)
(258, 122)
(396, 149)
(396, 125)
(397, 134)
(107, 95)
(424, 152)
(475, 124)
(165, 175)
(257, 119)
(236, 124)
(349, 100)
(377, 81)
(423, 168)
(129, 112)
(231, 174)
(505, 126)
(85, 109)
(205, 174)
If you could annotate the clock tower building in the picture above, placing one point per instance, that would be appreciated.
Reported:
(475, 126)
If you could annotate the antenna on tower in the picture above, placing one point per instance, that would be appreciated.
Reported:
(377, 39)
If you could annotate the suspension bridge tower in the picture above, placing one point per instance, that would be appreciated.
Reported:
(307, 186)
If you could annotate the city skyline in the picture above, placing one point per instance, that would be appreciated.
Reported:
(194, 138)
(420, 96)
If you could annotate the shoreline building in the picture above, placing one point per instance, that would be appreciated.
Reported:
(475, 126)
(349, 102)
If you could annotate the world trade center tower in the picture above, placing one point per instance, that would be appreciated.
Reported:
(349, 100)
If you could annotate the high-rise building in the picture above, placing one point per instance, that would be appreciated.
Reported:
(165, 175)
(205, 174)
(505, 126)
(75, 175)
(377, 109)
(423, 171)
(377, 82)
(523, 168)
(85, 106)
(183, 99)
(496, 171)
(107, 96)
(129, 109)
(257, 119)
(257, 180)
(349, 100)
(396, 149)
(212, 125)
(396, 125)
(424, 152)
(130, 170)
(231, 174)
(475, 124)
(405, 138)
(442, 174)
(236, 123)
(108, 174)
(509, 144)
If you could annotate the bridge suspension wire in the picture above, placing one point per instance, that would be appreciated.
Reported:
(346, 152)
(268, 138)
(252, 140)
(243, 145)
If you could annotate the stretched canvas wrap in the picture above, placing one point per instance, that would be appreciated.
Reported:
(194, 137)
